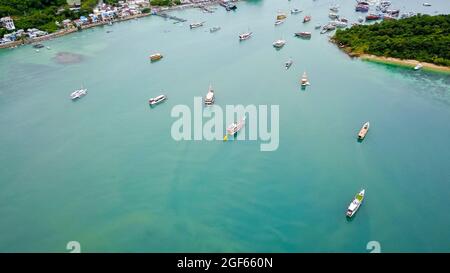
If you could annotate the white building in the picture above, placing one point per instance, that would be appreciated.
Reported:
(8, 23)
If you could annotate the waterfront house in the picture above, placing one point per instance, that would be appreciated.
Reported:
(8, 23)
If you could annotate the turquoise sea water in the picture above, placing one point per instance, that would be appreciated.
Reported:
(106, 172)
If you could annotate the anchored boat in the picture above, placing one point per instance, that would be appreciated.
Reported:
(78, 93)
(362, 133)
(295, 11)
(279, 43)
(306, 19)
(245, 36)
(156, 100)
(196, 25)
(209, 99)
(279, 22)
(288, 64)
(303, 34)
(155, 57)
(304, 81)
(214, 29)
(355, 204)
(233, 128)
(418, 66)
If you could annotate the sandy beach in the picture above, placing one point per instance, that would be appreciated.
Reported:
(406, 63)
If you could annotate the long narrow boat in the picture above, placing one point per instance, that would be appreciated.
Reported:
(156, 100)
(196, 25)
(209, 99)
(288, 64)
(306, 19)
(303, 34)
(155, 57)
(355, 204)
(78, 93)
(245, 36)
(362, 133)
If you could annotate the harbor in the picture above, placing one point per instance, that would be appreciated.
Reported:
(104, 170)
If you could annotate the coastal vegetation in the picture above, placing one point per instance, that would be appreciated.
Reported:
(165, 2)
(423, 37)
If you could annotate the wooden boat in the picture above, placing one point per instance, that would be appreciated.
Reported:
(362, 133)
(306, 19)
(155, 57)
(281, 16)
(372, 17)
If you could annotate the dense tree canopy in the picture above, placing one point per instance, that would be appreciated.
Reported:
(423, 37)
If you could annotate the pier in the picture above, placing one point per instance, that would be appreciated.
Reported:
(167, 16)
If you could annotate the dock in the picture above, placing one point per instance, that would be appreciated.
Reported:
(171, 17)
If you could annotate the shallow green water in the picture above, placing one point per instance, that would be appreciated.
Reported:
(106, 172)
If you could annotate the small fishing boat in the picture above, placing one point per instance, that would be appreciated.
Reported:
(372, 17)
(306, 19)
(426, 4)
(196, 25)
(78, 93)
(418, 66)
(288, 64)
(303, 34)
(38, 46)
(214, 29)
(279, 43)
(362, 8)
(156, 100)
(355, 204)
(362, 133)
(281, 16)
(234, 128)
(245, 36)
(339, 24)
(304, 81)
(209, 99)
(155, 57)
(295, 11)
(334, 8)
(279, 22)
(318, 26)
(333, 15)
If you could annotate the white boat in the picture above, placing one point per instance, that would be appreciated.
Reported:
(279, 43)
(295, 11)
(209, 99)
(279, 22)
(355, 204)
(78, 93)
(418, 66)
(156, 100)
(288, 64)
(245, 36)
(214, 29)
(426, 4)
(196, 25)
(318, 26)
(233, 128)
(304, 81)
(333, 15)
(362, 133)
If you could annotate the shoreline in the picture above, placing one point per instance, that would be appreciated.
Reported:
(393, 61)
(64, 32)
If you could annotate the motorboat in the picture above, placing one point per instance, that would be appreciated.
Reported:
(362, 133)
(306, 19)
(288, 64)
(234, 128)
(214, 29)
(245, 36)
(279, 43)
(303, 34)
(196, 25)
(209, 99)
(279, 22)
(418, 66)
(155, 57)
(333, 15)
(78, 93)
(295, 11)
(156, 100)
(355, 204)
(304, 81)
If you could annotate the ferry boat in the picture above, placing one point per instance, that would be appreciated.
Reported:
(362, 133)
(155, 57)
(209, 99)
(303, 34)
(279, 43)
(196, 25)
(418, 66)
(355, 204)
(279, 22)
(156, 100)
(78, 93)
(304, 81)
(234, 128)
(306, 19)
(295, 11)
(245, 36)
(214, 29)
(288, 64)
